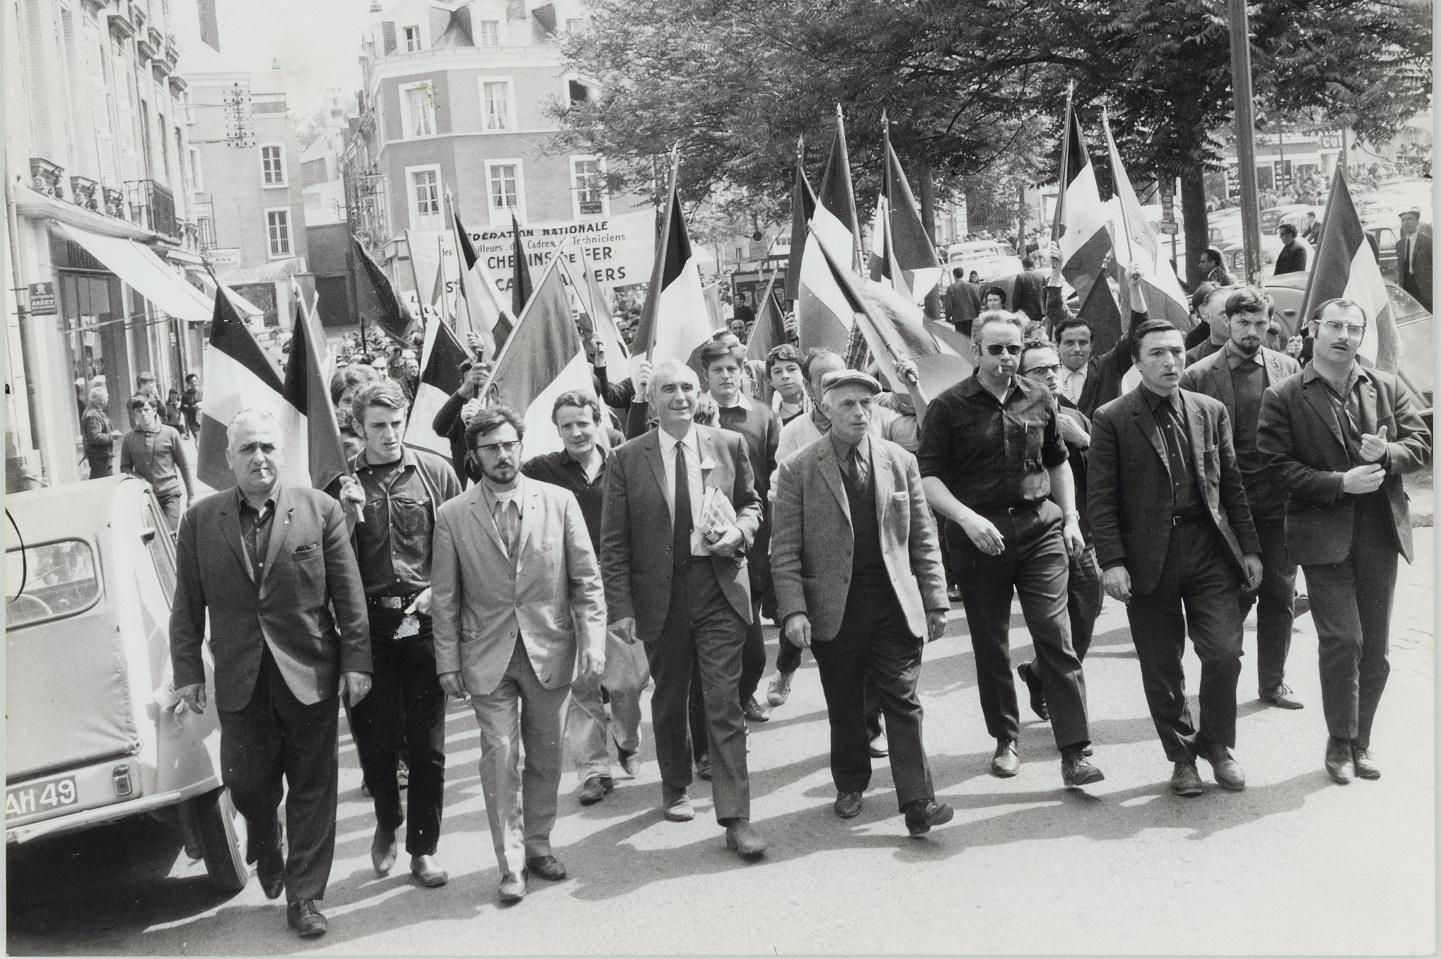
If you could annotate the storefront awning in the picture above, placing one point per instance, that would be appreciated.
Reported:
(250, 311)
(138, 267)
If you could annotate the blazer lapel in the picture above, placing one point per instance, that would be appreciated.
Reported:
(1146, 423)
(1324, 409)
(1221, 376)
(528, 516)
(1368, 406)
(831, 470)
(1197, 432)
(1275, 372)
(230, 529)
(653, 456)
(480, 511)
(279, 531)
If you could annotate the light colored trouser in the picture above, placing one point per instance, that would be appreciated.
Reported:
(585, 723)
(520, 805)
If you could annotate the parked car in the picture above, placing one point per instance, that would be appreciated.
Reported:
(989, 259)
(92, 737)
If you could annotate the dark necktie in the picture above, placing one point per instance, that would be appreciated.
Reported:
(680, 541)
(856, 469)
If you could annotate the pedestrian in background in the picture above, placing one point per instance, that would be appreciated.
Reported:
(99, 434)
(153, 452)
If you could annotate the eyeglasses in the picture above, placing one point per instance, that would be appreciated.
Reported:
(507, 447)
(996, 349)
(1036, 370)
(1336, 328)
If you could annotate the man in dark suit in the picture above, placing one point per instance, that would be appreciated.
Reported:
(273, 567)
(859, 580)
(1212, 268)
(1238, 375)
(683, 588)
(963, 301)
(1337, 438)
(1173, 533)
(1087, 380)
(1413, 257)
(1292, 258)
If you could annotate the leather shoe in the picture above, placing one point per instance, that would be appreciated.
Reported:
(922, 814)
(1282, 697)
(1340, 763)
(1185, 781)
(702, 767)
(305, 919)
(628, 760)
(880, 748)
(675, 804)
(512, 888)
(427, 871)
(1301, 605)
(848, 805)
(756, 713)
(546, 867)
(1004, 762)
(1365, 768)
(382, 851)
(1027, 672)
(1224, 767)
(779, 689)
(1076, 770)
(270, 870)
(742, 839)
(593, 790)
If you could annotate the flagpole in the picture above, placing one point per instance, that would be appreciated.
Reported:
(1059, 222)
(461, 270)
(1125, 221)
(857, 254)
(505, 350)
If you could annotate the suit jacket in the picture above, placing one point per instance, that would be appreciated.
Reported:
(1130, 479)
(1301, 444)
(1291, 259)
(635, 539)
(812, 537)
(1105, 372)
(963, 304)
(1415, 276)
(308, 606)
(550, 596)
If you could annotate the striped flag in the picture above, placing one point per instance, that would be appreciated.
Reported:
(910, 244)
(803, 207)
(594, 304)
(542, 358)
(376, 298)
(1346, 267)
(238, 375)
(674, 320)
(1080, 224)
(313, 444)
(770, 327)
(440, 357)
(822, 315)
(521, 285)
(1138, 244)
(481, 303)
(714, 308)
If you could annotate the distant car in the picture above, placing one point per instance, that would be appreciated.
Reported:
(1417, 364)
(90, 738)
(989, 259)
(1294, 213)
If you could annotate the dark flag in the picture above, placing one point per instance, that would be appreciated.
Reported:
(238, 375)
(521, 288)
(376, 299)
(311, 430)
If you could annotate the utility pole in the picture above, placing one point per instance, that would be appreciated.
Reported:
(1245, 135)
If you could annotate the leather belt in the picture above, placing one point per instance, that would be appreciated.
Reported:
(391, 602)
(1021, 510)
(1188, 518)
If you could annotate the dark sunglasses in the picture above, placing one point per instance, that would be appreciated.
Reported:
(996, 349)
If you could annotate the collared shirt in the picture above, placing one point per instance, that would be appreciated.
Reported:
(1248, 385)
(993, 455)
(255, 528)
(157, 456)
(862, 451)
(393, 545)
(1170, 413)
(497, 499)
(690, 443)
(778, 407)
(1347, 405)
(1073, 382)
(561, 469)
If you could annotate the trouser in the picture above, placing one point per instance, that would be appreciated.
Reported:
(875, 648)
(701, 627)
(405, 708)
(944, 531)
(1085, 592)
(172, 504)
(1351, 606)
(520, 805)
(277, 743)
(100, 465)
(1032, 565)
(753, 667)
(1197, 591)
(586, 725)
(1275, 605)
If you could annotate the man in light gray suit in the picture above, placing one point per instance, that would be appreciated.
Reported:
(517, 595)
(858, 576)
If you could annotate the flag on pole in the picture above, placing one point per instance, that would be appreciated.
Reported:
(439, 301)
(377, 301)
(885, 268)
(910, 243)
(594, 304)
(440, 376)
(823, 317)
(521, 286)
(714, 308)
(770, 327)
(1138, 244)
(1080, 224)
(313, 438)
(1345, 266)
(480, 301)
(542, 358)
(238, 375)
(1102, 315)
(674, 320)
(803, 207)
(838, 196)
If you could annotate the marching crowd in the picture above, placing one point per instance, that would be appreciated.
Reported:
(699, 499)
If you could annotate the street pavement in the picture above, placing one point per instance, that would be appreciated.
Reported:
(1292, 865)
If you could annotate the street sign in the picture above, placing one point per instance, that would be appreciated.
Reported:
(42, 299)
(225, 258)
(1168, 226)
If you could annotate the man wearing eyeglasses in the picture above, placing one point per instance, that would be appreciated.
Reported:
(993, 462)
(1337, 438)
(1237, 375)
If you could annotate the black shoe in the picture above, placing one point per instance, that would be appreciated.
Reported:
(880, 748)
(922, 814)
(702, 768)
(1227, 771)
(675, 804)
(628, 760)
(742, 839)
(546, 867)
(1340, 763)
(1004, 762)
(270, 870)
(382, 851)
(756, 713)
(1301, 606)
(1027, 672)
(305, 919)
(1366, 768)
(848, 805)
(1076, 770)
(1281, 696)
(1185, 781)
(593, 790)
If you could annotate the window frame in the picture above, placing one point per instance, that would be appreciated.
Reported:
(477, 34)
(412, 198)
(504, 211)
(575, 160)
(284, 179)
(406, 116)
(419, 38)
(509, 82)
(289, 234)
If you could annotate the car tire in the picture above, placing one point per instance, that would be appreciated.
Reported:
(214, 817)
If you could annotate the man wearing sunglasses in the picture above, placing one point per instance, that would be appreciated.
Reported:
(994, 463)
(1336, 438)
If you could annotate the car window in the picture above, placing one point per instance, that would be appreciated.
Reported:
(1403, 304)
(55, 580)
(161, 546)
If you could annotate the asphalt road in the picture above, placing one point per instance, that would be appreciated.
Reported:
(1293, 865)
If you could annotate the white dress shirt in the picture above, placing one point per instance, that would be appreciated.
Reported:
(1073, 382)
(691, 444)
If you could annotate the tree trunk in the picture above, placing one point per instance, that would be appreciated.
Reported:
(928, 220)
(1193, 211)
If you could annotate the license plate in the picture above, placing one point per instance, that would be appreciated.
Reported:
(40, 797)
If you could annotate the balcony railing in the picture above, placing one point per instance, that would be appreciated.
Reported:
(153, 206)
